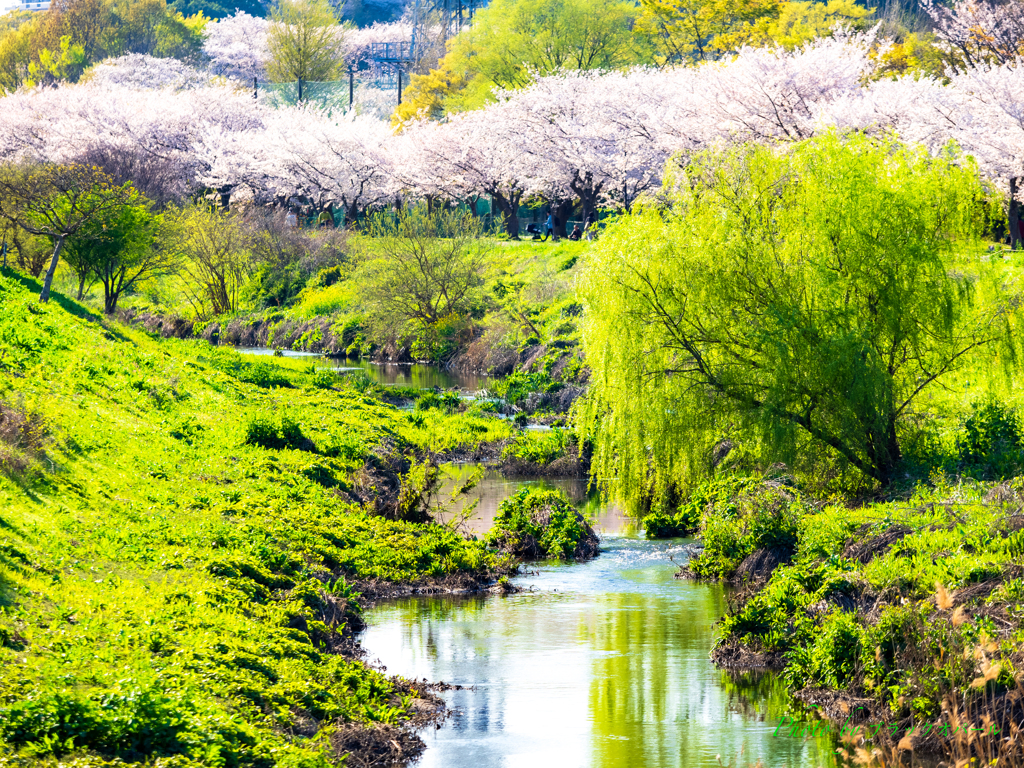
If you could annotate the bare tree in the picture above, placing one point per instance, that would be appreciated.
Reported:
(215, 260)
(425, 266)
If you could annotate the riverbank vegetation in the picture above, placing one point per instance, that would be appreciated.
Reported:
(183, 537)
(813, 372)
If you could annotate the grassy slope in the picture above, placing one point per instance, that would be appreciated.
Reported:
(166, 589)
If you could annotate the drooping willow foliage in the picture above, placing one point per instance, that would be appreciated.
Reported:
(795, 301)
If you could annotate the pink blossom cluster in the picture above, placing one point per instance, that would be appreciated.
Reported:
(601, 138)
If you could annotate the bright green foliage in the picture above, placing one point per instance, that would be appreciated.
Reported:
(757, 517)
(56, 65)
(304, 41)
(877, 628)
(423, 276)
(510, 39)
(715, 495)
(118, 248)
(448, 402)
(800, 21)
(801, 301)
(685, 31)
(536, 524)
(993, 440)
(166, 588)
(540, 447)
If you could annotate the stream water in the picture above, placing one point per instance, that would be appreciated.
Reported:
(414, 375)
(602, 663)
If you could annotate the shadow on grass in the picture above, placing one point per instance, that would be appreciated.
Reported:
(69, 305)
(8, 591)
(12, 560)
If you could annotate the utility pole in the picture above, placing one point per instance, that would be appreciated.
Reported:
(399, 86)
(351, 86)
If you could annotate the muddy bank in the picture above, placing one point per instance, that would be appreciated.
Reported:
(320, 334)
(460, 584)
(494, 456)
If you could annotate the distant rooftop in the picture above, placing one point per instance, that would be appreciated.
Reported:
(7, 6)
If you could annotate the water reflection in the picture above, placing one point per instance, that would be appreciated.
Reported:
(492, 488)
(602, 664)
(413, 375)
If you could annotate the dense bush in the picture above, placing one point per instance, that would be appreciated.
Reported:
(276, 432)
(761, 516)
(716, 494)
(540, 447)
(447, 402)
(535, 524)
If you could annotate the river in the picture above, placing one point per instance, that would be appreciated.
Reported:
(594, 664)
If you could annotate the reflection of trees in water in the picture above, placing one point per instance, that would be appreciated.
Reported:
(653, 695)
(641, 682)
(493, 488)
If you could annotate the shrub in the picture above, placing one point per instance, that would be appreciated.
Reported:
(516, 386)
(268, 432)
(991, 445)
(836, 652)
(716, 494)
(263, 375)
(535, 524)
(763, 517)
(539, 447)
(322, 379)
(447, 402)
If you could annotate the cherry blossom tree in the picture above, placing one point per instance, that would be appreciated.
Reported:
(137, 71)
(237, 47)
(978, 32)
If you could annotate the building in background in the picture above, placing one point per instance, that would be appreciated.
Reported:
(6, 6)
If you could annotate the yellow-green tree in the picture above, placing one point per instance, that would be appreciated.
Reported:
(800, 21)
(803, 304)
(510, 39)
(703, 30)
(59, 44)
(305, 43)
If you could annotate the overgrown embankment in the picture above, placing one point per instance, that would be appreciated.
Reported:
(901, 618)
(182, 538)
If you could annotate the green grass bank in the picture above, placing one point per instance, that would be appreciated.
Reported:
(182, 538)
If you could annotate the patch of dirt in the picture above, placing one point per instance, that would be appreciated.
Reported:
(865, 550)
(732, 654)
(486, 453)
(757, 567)
(455, 584)
(563, 466)
(375, 746)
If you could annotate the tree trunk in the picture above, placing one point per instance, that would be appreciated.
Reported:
(44, 295)
(509, 207)
(351, 214)
(563, 210)
(1014, 214)
(587, 191)
(81, 285)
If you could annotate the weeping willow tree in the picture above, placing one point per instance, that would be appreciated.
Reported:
(798, 301)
